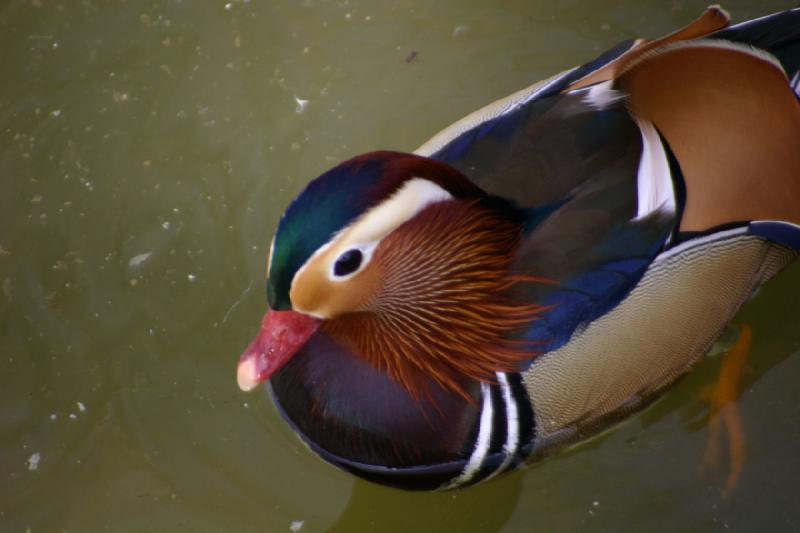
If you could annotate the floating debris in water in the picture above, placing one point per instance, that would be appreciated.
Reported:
(138, 259)
(412, 56)
(301, 104)
(595, 506)
(297, 525)
(165, 225)
(458, 30)
(73, 416)
(33, 462)
(53, 416)
(237, 302)
(192, 278)
(81, 407)
(55, 113)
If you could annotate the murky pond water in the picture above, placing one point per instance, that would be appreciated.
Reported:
(147, 149)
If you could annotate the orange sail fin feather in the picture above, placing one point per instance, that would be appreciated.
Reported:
(460, 329)
(731, 118)
(714, 18)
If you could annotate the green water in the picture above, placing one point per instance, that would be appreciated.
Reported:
(147, 149)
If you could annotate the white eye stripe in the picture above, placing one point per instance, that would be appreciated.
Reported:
(368, 230)
(410, 199)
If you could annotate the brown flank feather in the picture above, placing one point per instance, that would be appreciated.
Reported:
(441, 312)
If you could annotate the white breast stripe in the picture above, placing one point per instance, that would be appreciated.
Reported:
(654, 183)
(481, 443)
(512, 421)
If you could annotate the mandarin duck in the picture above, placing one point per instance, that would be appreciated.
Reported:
(543, 267)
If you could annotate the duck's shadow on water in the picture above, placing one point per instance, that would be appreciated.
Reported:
(482, 508)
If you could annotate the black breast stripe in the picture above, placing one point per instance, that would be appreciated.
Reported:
(527, 422)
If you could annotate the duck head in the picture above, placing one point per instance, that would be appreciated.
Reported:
(404, 262)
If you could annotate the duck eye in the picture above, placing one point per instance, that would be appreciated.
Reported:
(348, 262)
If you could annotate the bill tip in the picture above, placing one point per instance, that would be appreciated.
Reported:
(247, 376)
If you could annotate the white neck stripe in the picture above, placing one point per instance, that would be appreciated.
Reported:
(512, 424)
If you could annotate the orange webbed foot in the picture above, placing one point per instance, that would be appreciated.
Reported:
(722, 398)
